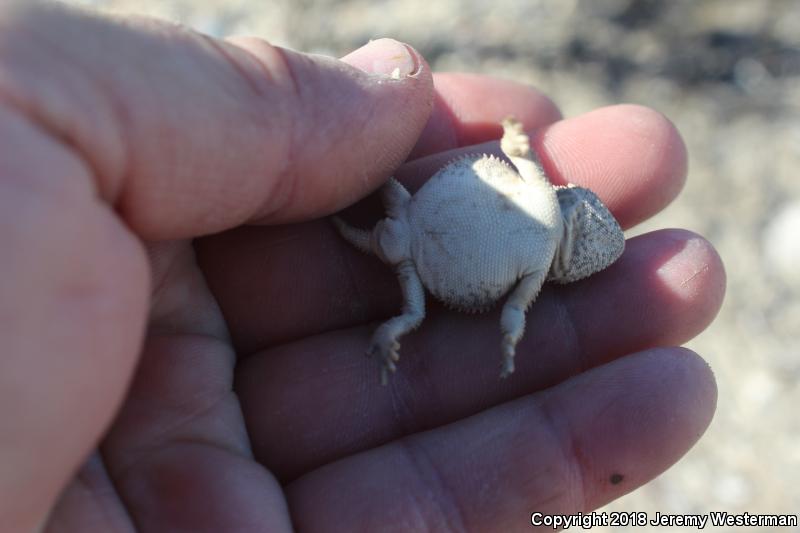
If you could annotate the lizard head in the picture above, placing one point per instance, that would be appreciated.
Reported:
(591, 240)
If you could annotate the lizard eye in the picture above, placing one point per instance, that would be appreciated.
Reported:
(591, 240)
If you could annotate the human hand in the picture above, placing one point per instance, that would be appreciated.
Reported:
(123, 141)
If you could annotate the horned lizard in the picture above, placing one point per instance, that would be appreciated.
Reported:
(479, 228)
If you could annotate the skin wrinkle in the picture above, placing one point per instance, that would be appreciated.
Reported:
(408, 421)
(111, 187)
(35, 120)
(221, 48)
(50, 125)
(117, 180)
(285, 181)
(122, 118)
(126, 499)
(401, 411)
(564, 437)
(36, 186)
(180, 418)
(265, 80)
(576, 346)
(180, 281)
(142, 454)
(284, 185)
(160, 284)
(443, 495)
(84, 479)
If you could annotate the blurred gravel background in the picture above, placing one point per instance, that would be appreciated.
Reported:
(727, 72)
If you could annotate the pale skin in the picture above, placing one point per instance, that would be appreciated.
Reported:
(154, 380)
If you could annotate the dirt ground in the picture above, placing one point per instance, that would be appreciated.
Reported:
(727, 72)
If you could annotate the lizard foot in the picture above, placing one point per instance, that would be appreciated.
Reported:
(514, 141)
(508, 357)
(386, 348)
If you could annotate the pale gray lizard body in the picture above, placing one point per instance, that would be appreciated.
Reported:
(480, 228)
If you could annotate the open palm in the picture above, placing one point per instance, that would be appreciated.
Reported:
(180, 202)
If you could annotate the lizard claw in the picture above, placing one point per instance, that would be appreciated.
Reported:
(508, 357)
(508, 367)
(387, 350)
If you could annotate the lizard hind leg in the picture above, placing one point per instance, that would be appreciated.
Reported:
(516, 145)
(385, 344)
(512, 320)
(395, 198)
(360, 238)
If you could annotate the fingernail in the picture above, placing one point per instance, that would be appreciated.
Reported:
(385, 57)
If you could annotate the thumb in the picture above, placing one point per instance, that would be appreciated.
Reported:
(187, 135)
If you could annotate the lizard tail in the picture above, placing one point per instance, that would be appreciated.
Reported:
(360, 238)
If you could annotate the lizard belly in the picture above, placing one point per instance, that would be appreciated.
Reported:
(477, 227)
(470, 251)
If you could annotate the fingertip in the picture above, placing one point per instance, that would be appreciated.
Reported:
(386, 57)
(699, 380)
(632, 419)
(684, 396)
(695, 275)
(679, 282)
(686, 392)
(633, 156)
